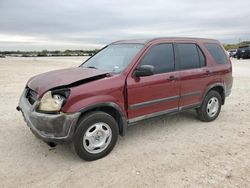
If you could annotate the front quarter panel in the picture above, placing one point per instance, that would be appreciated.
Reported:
(107, 90)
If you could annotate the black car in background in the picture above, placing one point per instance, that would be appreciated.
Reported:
(243, 52)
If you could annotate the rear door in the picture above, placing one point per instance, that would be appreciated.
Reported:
(193, 74)
(158, 93)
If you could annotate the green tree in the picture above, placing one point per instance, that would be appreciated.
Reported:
(42, 53)
(67, 52)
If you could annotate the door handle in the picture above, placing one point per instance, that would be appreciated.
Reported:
(208, 72)
(171, 78)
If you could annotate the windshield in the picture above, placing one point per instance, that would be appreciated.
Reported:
(114, 58)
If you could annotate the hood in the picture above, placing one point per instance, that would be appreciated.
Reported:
(64, 78)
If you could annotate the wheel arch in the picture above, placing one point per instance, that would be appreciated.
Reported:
(220, 88)
(112, 109)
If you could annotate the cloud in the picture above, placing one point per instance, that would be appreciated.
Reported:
(63, 24)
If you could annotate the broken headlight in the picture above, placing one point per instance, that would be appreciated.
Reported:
(52, 101)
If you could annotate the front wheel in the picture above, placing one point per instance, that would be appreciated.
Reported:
(96, 136)
(210, 107)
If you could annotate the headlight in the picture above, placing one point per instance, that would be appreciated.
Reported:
(52, 101)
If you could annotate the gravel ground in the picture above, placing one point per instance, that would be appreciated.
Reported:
(171, 151)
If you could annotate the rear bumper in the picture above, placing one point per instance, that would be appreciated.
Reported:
(56, 128)
(228, 88)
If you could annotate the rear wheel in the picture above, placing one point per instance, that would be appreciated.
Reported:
(210, 107)
(96, 136)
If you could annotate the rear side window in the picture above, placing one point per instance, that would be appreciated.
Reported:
(217, 52)
(189, 56)
(161, 57)
(202, 58)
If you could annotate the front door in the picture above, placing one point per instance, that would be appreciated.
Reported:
(159, 93)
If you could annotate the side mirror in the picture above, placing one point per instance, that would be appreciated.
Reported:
(144, 70)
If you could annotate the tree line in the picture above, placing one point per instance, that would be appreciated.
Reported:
(235, 46)
(46, 53)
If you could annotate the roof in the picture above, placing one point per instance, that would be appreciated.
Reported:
(145, 41)
(134, 41)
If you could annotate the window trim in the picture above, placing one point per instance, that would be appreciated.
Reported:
(205, 58)
(178, 56)
(157, 44)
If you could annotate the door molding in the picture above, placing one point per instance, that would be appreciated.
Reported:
(151, 102)
(167, 99)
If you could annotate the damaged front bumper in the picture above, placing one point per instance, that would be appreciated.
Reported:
(57, 128)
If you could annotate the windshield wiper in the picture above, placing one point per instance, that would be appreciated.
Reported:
(92, 67)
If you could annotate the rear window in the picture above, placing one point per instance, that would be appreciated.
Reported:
(217, 52)
(244, 46)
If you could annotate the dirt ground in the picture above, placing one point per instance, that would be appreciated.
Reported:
(172, 151)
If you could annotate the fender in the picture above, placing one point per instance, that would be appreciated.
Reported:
(77, 103)
(93, 102)
(104, 104)
(123, 121)
(215, 85)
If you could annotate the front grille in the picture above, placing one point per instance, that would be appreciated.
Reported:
(31, 96)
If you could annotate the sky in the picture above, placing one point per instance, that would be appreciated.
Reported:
(89, 24)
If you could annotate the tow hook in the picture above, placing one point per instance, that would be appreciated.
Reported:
(18, 108)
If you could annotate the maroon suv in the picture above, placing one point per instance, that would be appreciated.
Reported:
(126, 82)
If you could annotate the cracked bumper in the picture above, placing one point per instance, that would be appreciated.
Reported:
(56, 128)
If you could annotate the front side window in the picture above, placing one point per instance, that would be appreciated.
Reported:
(189, 56)
(114, 58)
(217, 52)
(161, 57)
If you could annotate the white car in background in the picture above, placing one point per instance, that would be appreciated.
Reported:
(232, 52)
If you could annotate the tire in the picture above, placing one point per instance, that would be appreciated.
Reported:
(211, 106)
(238, 57)
(95, 136)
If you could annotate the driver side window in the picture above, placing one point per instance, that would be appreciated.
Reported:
(161, 57)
